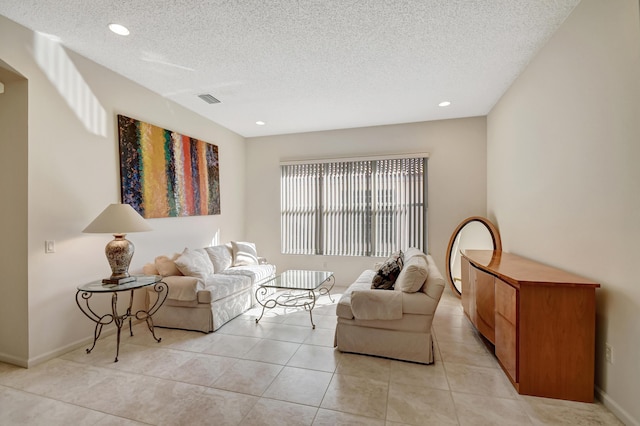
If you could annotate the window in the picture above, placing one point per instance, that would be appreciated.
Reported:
(354, 207)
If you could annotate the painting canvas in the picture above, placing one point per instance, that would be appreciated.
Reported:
(166, 174)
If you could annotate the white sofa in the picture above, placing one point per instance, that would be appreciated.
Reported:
(208, 286)
(392, 323)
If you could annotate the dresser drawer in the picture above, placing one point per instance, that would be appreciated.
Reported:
(505, 301)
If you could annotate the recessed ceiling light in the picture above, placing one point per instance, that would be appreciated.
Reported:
(260, 123)
(444, 104)
(119, 29)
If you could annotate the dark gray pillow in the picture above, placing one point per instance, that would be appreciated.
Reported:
(386, 276)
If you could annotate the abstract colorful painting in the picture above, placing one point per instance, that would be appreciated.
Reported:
(166, 174)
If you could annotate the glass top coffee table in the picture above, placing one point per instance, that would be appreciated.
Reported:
(295, 289)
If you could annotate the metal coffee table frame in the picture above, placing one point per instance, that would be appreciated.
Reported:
(87, 290)
(299, 287)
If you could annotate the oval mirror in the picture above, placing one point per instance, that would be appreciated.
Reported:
(473, 233)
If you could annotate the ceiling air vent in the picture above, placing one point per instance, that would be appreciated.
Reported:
(209, 99)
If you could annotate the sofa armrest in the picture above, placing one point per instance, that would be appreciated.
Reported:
(434, 286)
(376, 304)
(183, 288)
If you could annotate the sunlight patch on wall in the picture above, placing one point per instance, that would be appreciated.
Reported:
(215, 240)
(62, 73)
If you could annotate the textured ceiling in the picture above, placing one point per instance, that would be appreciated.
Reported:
(306, 65)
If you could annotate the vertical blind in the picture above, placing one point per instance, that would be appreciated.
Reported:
(354, 208)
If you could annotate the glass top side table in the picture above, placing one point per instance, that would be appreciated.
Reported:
(85, 291)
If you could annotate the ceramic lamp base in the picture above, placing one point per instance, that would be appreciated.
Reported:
(119, 252)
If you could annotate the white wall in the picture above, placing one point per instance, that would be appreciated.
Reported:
(14, 321)
(73, 174)
(563, 176)
(456, 180)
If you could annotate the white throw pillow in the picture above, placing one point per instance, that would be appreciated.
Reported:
(413, 275)
(194, 263)
(244, 253)
(220, 256)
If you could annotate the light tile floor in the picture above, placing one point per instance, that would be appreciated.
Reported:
(278, 372)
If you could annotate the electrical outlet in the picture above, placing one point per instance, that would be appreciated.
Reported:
(608, 353)
(49, 246)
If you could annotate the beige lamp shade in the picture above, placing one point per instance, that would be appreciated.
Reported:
(118, 219)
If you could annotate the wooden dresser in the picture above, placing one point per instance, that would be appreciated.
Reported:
(541, 321)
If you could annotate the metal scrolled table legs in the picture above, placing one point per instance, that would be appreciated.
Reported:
(82, 300)
(289, 299)
(310, 306)
(326, 290)
(120, 319)
(100, 320)
(261, 293)
(162, 290)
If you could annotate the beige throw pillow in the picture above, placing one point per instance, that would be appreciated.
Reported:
(150, 269)
(167, 266)
(412, 251)
(244, 253)
(195, 263)
(413, 275)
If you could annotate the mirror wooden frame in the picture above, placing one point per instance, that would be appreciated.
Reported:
(495, 236)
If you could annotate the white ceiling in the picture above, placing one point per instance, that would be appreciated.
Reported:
(306, 65)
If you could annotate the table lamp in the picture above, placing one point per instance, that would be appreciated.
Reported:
(119, 220)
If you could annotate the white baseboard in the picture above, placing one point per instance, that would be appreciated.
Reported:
(613, 406)
(59, 351)
(32, 362)
(10, 359)
(87, 341)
